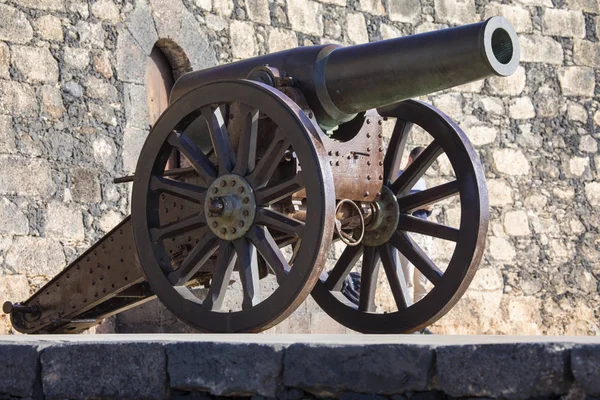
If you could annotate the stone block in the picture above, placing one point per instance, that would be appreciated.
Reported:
(577, 81)
(7, 135)
(521, 108)
(105, 152)
(516, 223)
(36, 256)
(51, 102)
(109, 220)
(406, 11)
(243, 41)
(511, 162)
(501, 249)
(14, 26)
(129, 58)
(578, 165)
(512, 85)
(216, 23)
(225, 369)
(590, 6)
(576, 112)
(195, 43)
(18, 366)
(341, 3)
(449, 103)
(133, 140)
(25, 177)
(281, 39)
(258, 11)
(584, 364)
(12, 220)
(90, 34)
(103, 65)
(374, 7)
(104, 113)
(76, 58)
(4, 61)
(588, 144)
(297, 322)
(140, 26)
(205, 5)
(52, 5)
(357, 28)
(97, 88)
(592, 193)
(49, 27)
(499, 192)
(586, 53)
(306, 16)
(104, 370)
(564, 23)
(511, 371)
(389, 32)
(65, 221)
(481, 135)
(456, 12)
(106, 10)
(136, 110)
(536, 48)
(36, 64)
(322, 323)
(518, 16)
(329, 370)
(85, 185)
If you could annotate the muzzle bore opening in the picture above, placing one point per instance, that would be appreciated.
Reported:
(502, 46)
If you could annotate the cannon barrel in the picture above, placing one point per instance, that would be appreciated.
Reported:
(339, 82)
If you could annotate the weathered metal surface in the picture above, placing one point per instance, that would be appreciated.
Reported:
(448, 286)
(341, 81)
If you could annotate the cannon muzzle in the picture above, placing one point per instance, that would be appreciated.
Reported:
(376, 74)
(339, 82)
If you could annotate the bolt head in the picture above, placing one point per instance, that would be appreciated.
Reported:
(246, 200)
(246, 213)
(223, 231)
(241, 189)
(215, 189)
(232, 183)
(223, 183)
(241, 224)
(233, 230)
(215, 224)
(366, 194)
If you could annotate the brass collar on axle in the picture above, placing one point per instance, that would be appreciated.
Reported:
(230, 207)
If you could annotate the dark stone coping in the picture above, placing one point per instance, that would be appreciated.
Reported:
(294, 367)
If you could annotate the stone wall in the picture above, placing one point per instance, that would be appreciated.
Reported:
(73, 115)
(297, 367)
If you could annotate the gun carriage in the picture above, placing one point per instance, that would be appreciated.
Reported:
(286, 151)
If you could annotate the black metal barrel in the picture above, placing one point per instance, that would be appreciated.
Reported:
(372, 75)
(339, 82)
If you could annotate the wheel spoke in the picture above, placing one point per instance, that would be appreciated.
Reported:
(411, 175)
(270, 252)
(180, 189)
(246, 154)
(416, 256)
(178, 227)
(429, 196)
(248, 268)
(220, 138)
(195, 260)
(197, 159)
(279, 221)
(270, 160)
(393, 157)
(221, 275)
(342, 267)
(419, 225)
(368, 280)
(395, 276)
(272, 194)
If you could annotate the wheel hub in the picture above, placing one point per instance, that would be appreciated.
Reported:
(230, 207)
(385, 220)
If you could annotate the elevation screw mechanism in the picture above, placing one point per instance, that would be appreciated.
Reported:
(9, 308)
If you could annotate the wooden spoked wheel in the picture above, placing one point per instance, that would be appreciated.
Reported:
(390, 238)
(224, 217)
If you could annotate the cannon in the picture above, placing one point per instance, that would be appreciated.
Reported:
(260, 169)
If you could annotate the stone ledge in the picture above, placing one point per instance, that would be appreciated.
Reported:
(294, 367)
